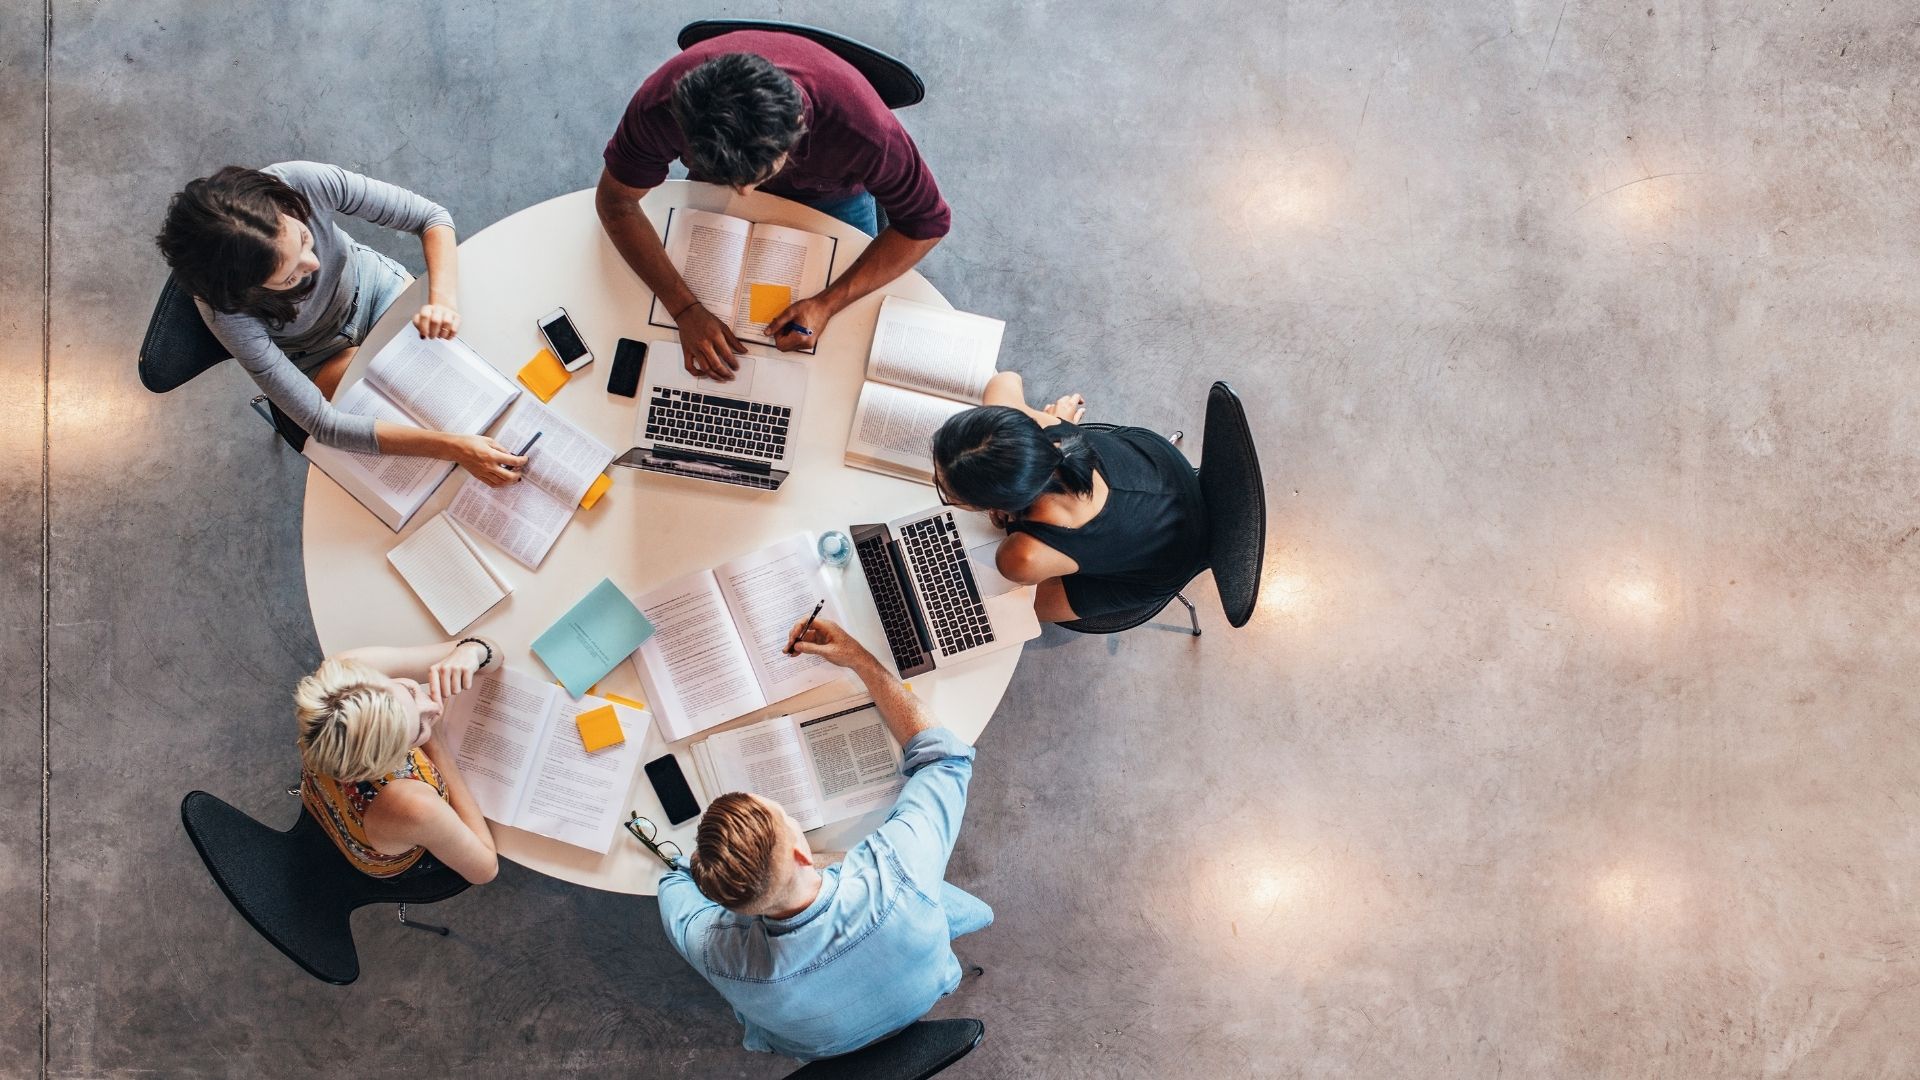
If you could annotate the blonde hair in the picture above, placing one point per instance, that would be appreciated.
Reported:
(733, 851)
(352, 727)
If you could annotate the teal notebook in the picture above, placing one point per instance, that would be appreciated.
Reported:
(601, 630)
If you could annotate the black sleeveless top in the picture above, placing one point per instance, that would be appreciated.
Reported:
(1151, 536)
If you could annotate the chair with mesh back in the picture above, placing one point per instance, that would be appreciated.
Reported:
(295, 887)
(922, 1049)
(178, 348)
(1236, 506)
(893, 80)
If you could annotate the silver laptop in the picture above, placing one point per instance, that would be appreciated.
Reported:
(738, 432)
(940, 597)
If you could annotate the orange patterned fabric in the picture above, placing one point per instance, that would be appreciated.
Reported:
(341, 809)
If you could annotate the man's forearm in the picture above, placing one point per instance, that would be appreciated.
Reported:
(905, 714)
(634, 238)
(891, 254)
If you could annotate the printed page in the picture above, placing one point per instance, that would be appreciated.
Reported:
(893, 430)
(694, 666)
(444, 384)
(790, 259)
(767, 592)
(855, 760)
(920, 347)
(447, 574)
(767, 759)
(708, 249)
(578, 797)
(392, 486)
(522, 519)
(495, 727)
(565, 460)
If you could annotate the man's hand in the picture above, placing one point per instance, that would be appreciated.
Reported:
(708, 344)
(813, 313)
(829, 641)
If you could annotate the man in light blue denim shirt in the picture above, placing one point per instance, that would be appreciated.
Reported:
(816, 962)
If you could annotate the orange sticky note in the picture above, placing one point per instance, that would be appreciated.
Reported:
(544, 375)
(600, 728)
(766, 302)
(600, 485)
(627, 701)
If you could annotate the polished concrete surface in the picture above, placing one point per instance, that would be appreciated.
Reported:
(1573, 738)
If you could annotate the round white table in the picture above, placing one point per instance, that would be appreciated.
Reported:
(647, 529)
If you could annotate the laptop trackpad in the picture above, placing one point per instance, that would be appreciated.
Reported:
(985, 573)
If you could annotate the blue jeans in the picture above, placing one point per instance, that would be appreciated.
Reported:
(965, 911)
(859, 211)
(380, 283)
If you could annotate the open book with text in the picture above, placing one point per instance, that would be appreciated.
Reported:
(718, 650)
(822, 766)
(517, 745)
(745, 274)
(434, 383)
(926, 364)
(526, 518)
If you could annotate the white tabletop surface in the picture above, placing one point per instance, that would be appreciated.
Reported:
(648, 529)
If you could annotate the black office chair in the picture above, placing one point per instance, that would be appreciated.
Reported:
(179, 348)
(1236, 503)
(893, 80)
(295, 887)
(924, 1048)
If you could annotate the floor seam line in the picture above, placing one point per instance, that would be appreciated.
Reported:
(46, 538)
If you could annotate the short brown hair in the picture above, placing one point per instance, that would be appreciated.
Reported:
(733, 851)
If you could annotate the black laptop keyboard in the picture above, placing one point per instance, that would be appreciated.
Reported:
(718, 425)
(947, 591)
(892, 606)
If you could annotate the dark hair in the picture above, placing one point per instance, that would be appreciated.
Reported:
(221, 237)
(739, 113)
(998, 458)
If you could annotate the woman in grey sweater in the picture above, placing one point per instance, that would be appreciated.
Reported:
(292, 296)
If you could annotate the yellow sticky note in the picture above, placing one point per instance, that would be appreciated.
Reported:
(766, 302)
(600, 485)
(600, 728)
(627, 701)
(544, 375)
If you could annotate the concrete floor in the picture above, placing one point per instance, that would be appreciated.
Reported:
(1574, 737)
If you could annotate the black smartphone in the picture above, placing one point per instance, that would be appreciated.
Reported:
(628, 357)
(676, 798)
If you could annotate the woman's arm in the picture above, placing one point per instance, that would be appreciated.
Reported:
(1007, 388)
(494, 464)
(1029, 561)
(453, 831)
(417, 662)
(439, 317)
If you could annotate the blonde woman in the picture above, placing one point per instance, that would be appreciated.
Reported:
(374, 776)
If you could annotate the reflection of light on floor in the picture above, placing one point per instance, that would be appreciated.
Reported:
(1639, 894)
(1636, 596)
(1287, 592)
(1279, 189)
(1266, 902)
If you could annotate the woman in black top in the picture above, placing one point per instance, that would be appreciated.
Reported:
(1103, 521)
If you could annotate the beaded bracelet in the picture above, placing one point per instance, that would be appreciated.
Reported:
(480, 643)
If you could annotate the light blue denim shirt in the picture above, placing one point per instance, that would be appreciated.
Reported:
(871, 954)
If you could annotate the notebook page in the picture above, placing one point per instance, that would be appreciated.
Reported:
(776, 255)
(892, 430)
(694, 666)
(767, 759)
(920, 347)
(564, 461)
(495, 726)
(767, 592)
(447, 574)
(574, 796)
(708, 250)
(522, 519)
(443, 383)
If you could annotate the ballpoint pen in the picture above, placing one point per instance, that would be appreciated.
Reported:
(802, 635)
(530, 442)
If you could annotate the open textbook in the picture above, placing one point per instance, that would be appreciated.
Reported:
(449, 574)
(745, 274)
(516, 743)
(823, 765)
(418, 382)
(926, 364)
(526, 518)
(718, 650)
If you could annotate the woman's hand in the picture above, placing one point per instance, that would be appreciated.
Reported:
(829, 641)
(707, 344)
(999, 519)
(1070, 408)
(453, 673)
(437, 321)
(486, 459)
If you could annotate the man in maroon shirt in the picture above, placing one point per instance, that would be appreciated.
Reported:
(778, 112)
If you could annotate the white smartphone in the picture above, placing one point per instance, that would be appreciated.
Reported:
(565, 340)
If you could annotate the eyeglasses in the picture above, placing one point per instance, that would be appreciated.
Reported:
(644, 830)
